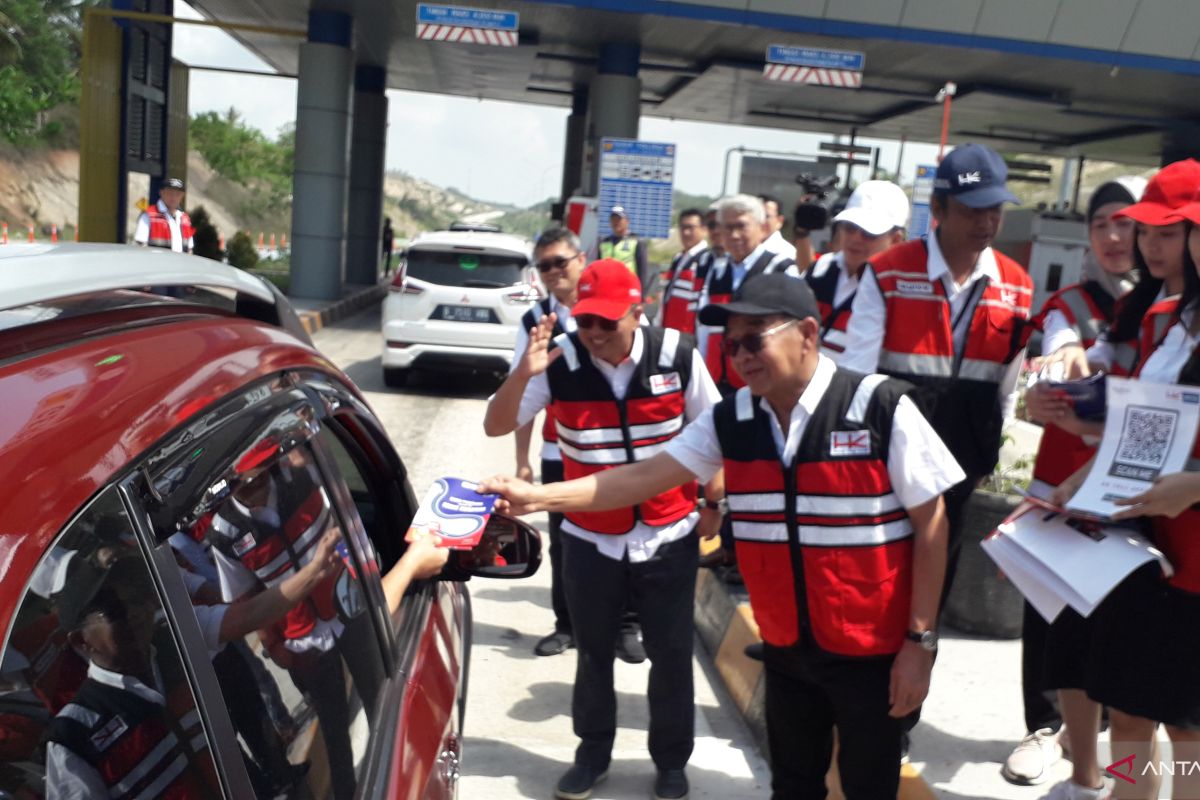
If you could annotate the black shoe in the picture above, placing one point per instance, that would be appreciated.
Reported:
(629, 646)
(577, 782)
(754, 651)
(554, 644)
(671, 784)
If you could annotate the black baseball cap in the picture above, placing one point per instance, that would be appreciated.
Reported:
(974, 175)
(764, 295)
(173, 183)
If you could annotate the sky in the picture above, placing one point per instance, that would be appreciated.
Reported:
(495, 151)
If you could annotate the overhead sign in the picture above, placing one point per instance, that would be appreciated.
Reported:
(470, 25)
(841, 68)
(922, 191)
(638, 176)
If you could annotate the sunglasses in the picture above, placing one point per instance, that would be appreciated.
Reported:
(589, 321)
(558, 262)
(754, 342)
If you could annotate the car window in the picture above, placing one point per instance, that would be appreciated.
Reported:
(465, 268)
(301, 681)
(94, 699)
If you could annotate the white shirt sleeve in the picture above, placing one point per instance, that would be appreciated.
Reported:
(1100, 354)
(141, 234)
(210, 619)
(793, 271)
(702, 393)
(236, 579)
(1007, 388)
(536, 397)
(192, 581)
(864, 334)
(919, 464)
(1057, 332)
(70, 777)
(697, 449)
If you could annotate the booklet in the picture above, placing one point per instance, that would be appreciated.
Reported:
(455, 512)
(1087, 395)
(1057, 560)
(1148, 431)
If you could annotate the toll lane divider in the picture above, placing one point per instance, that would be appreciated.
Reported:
(315, 319)
(726, 625)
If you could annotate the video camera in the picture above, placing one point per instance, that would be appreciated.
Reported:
(814, 214)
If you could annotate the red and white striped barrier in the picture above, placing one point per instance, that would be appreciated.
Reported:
(458, 33)
(814, 76)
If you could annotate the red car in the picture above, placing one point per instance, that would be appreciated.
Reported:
(180, 468)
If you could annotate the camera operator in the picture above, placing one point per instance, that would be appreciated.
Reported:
(812, 214)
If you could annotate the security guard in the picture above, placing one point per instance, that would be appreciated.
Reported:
(165, 224)
(620, 392)
(625, 246)
(834, 484)
(874, 220)
(949, 314)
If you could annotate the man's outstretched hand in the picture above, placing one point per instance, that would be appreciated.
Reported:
(517, 497)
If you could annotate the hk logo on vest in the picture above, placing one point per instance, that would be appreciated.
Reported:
(850, 443)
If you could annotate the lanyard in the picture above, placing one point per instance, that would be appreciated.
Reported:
(967, 312)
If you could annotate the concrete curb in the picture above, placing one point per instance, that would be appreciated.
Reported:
(726, 625)
(316, 319)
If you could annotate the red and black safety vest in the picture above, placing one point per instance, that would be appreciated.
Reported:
(596, 431)
(1157, 321)
(686, 278)
(1088, 308)
(823, 280)
(529, 321)
(720, 290)
(138, 747)
(160, 228)
(823, 543)
(272, 553)
(957, 390)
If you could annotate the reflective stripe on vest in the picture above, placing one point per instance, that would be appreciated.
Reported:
(837, 559)
(720, 290)
(597, 432)
(823, 278)
(624, 251)
(1080, 311)
(160, 229)
(1155, 324)
(683, 293)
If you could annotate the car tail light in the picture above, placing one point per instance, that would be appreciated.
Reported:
(399, 284)
(526, 294)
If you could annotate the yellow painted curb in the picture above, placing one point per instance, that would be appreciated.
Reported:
(741, 674)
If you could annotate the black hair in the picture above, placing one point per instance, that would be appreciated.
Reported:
(1131, 308)
(770, 198)
(691, 212)
(555, 234)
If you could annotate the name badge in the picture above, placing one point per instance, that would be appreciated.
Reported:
(914, 287)
(850, 443)
(665, 383)
(244, 544)
(104, 738)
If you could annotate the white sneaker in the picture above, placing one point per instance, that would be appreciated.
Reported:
(1031, 760)
(1069, 790)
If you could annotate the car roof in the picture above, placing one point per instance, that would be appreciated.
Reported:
(35, 273)
(473, 240)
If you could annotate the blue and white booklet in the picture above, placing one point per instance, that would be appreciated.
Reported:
(455, 512)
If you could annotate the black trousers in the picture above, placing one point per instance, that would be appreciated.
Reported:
(552, 472)
(248, 712)
(1041, 706)
(662, 593)
(808, 693)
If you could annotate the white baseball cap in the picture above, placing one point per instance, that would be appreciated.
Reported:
(877, 207)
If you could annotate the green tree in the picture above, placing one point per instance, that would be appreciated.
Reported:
(246, 155)
(40, 52)
(242, 252)
(205, 241)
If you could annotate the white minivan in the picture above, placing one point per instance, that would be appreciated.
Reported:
(455, 302)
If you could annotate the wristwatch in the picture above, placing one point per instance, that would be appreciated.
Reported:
(721, 505)
(927, 639)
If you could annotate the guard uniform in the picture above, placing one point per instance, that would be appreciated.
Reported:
(156, 223)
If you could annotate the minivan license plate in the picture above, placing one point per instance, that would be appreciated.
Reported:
(464, 314)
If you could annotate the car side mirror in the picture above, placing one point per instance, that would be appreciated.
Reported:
(509, 548)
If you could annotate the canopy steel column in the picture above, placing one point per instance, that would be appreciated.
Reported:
(572, 175)
(322, 154)
(614, 101)
(369, 145)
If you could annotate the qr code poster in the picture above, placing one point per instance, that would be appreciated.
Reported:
(1146, 437)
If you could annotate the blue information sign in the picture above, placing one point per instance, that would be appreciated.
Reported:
(638, 176)
(813, 57)
(468, 17)
(922, 191)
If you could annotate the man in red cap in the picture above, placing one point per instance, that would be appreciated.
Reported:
(619, 391)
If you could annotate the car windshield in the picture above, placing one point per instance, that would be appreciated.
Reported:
(465, 268)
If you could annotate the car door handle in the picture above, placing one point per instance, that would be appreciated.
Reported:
(450, 760)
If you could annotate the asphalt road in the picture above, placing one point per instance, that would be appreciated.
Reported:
(518, 724)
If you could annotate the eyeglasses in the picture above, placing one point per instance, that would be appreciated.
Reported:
(589, 321)
(754, 342)
(558, 262)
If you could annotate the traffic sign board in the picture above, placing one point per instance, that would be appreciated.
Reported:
(814, 57)
(921, 192)
(468, 17)
(638, 176)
